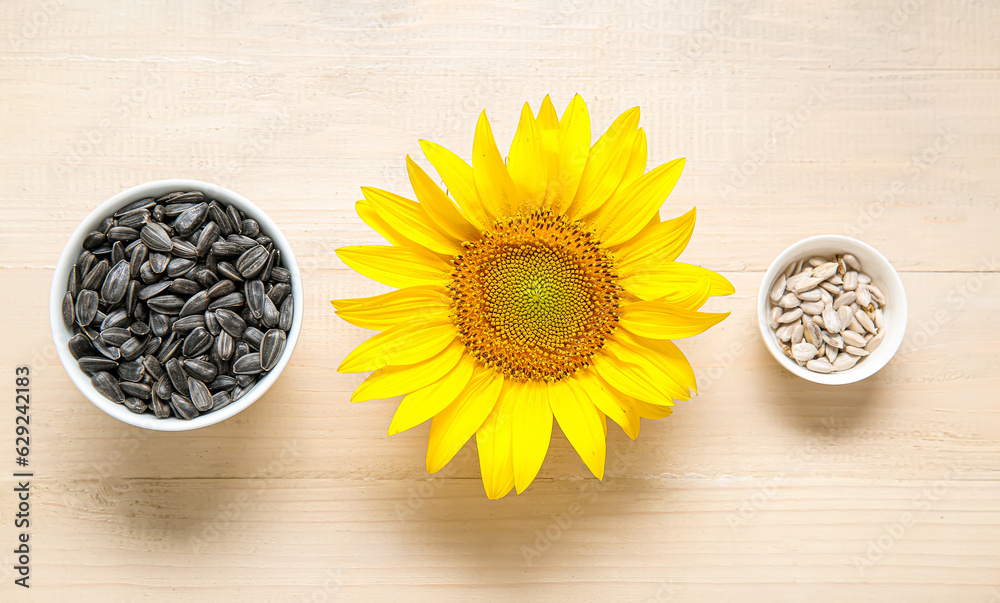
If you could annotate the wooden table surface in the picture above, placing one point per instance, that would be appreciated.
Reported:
(879, 121)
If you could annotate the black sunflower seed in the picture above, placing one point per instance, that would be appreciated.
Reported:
(269, 318)
(212, 323)
(254, 337)
(169, 350)
(252, 261)
(158, 262)
(202, 370)
(159, 323)
(140, 204)
(218, 215)
(80, 346)
(139, 328)
(86, 306)
(254, 293)
(152, 345)
(200, 396)
(118, 318)
(227, 270)
(191, 218)
(147, 275)
(172, 210)
(132, 348)
(235, 217)
(122, 233)
(136, 218)
(139, 390)
(136, 405)
(224, 345)
(197, 342)
(232, 300)
(115, 335)
(139, 257)
(96, 276)
(117, 252)
(221, 288)
(278, 292)
(93, 240)
(248, 365)
(188, 323)
(182, 406)
(131, 371)
(204, 276)
(96, 364)
(153, 367)
(184, 286)
(281, 275)
(164, 387)
(271, 348)
(107, 386)
(222, 383)
(108, 351)
(73, 282)
(209, 234)
(221, 400)
(67, 309)
(160, 408)
(231, 322)
(183, 249)
(272, 260)
(116, 283)
(225, 249)
(196, 304)
(178, 378)
(156, 238)
(166, 304)
(179, 267)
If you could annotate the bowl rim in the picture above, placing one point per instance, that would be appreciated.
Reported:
(71, 251)
(862, 370)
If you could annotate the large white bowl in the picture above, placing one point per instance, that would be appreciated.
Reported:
(61, 333)
(883, 274)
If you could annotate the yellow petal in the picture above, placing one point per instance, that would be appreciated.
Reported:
(428, 401)
(547, 118)
(548, 131)
(677, 284)
(587, 385)
(628, 211)
(630, 379)
(493, 182)
(397, 266)
(457, 176)
(438, 206)
(652, 411)
(390, 381)
(667, 355)
(580, 420)
(453, 426)
(657, 243)
(658, 320)
(574, 148)
(405, 343)
(389, 309)
(658, 371)
(410, 220)
(494, 440)
(636, 161)
(526, 162)
(606, 165)
(532, 420)
(372, 218)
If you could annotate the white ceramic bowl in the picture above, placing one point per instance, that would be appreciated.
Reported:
(61, 334)
(875, 265)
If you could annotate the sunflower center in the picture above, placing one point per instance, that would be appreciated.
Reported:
(535, 297)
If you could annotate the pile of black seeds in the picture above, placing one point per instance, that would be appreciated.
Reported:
(178, 305)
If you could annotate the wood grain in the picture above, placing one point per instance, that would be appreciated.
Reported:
(877, 121)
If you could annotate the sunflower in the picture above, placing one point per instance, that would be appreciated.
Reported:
(544, 287)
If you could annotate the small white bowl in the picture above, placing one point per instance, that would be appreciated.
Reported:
(61, 333)
(875, 265)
